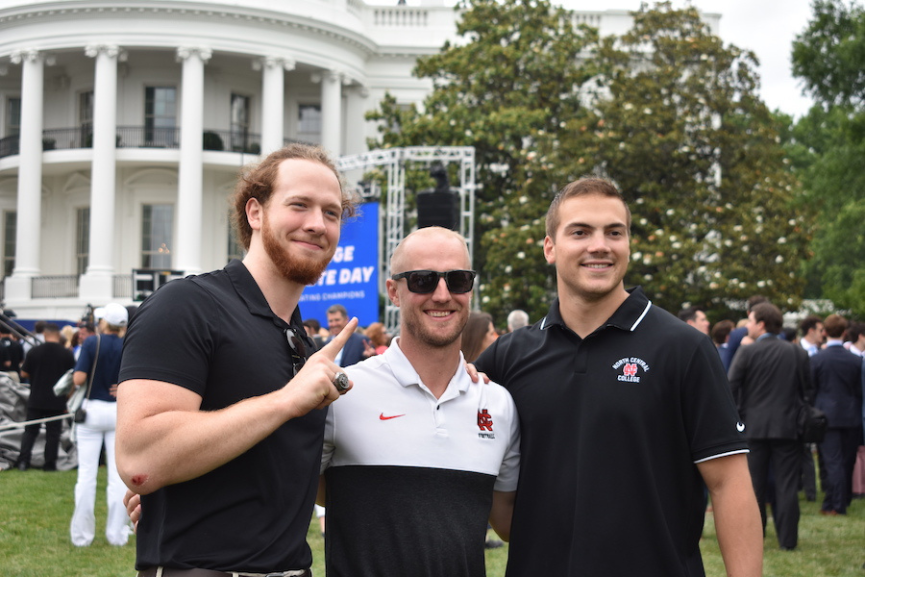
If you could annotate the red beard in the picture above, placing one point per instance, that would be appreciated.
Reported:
(298, 270)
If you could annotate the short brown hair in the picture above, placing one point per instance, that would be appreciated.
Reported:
(337, 308)
(770, 315)
(854, 330)
(754, 300)
(258, 181)
(835, 325)
(721, 330)
(586, 186)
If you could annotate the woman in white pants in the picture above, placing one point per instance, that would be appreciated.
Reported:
(99, 431)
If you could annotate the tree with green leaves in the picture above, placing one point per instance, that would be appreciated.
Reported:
(666, 111)
(829, 56)
(510, 91)
(828, 150)
(683, 132)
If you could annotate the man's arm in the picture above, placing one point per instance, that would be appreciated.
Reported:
(81, 367)
(738, 524)
(163, 437)
(501, 513)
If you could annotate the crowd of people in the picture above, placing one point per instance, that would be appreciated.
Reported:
(772, 371)
(232, 409)
(41, 359)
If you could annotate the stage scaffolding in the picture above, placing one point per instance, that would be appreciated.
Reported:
(393, 162)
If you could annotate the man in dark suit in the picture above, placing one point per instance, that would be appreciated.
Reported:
(357, 348)
(838, 381)
(738, 333)
(769, 379)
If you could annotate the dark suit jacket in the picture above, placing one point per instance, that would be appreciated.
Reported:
(769, 378)
(353, 349)
(837, 379)
(734, 343)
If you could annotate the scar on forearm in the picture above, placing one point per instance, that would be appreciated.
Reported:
(139, 479)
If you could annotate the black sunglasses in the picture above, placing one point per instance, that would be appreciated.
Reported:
(298, 349)
(425, 282)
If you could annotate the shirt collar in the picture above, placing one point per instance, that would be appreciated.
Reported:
(406, 374)
(247, 288)
(627, 317)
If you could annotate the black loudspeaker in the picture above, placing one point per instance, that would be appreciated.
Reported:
(438, 208)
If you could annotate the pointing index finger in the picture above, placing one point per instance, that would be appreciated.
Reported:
(332, 348)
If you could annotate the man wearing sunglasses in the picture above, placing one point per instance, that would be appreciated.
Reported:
(220, 399)
(418, 457)
(625, 413)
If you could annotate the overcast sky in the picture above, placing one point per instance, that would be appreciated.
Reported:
(767, 27)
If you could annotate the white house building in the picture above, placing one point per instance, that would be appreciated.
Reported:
(123, 124)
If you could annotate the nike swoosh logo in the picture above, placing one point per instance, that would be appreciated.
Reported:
(384, 418)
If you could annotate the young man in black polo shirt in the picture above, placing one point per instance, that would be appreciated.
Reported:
(216, 424)
(625, 412)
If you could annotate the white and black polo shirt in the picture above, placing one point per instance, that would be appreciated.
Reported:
(410, 477)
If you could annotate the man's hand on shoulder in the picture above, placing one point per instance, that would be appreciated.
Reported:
(475, 374)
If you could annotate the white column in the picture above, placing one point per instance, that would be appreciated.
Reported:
(189, 226)
(97, 282)
(331, 110)
(355, 125)
(273, 69)
(28, 203)
(31, 152)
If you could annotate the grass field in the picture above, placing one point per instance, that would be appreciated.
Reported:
(35, 508)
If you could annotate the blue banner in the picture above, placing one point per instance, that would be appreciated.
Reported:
(351, 278)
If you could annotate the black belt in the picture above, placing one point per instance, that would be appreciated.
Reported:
(169, 572)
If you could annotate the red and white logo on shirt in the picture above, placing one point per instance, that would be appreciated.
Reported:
(630, 369)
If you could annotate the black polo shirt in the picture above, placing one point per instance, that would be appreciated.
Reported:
(215, 335)
(45, 364)
(611, 428)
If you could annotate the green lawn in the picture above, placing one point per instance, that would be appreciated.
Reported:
(35, 508)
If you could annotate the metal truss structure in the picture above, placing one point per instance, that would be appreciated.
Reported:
(394, 163)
